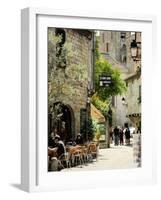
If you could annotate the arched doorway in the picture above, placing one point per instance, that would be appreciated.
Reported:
(63, 121)
(68, 123)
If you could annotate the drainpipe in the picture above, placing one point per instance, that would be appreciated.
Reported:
(93, 60)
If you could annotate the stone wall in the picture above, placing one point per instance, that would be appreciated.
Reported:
(120, 112)
(128, 68)
(133, 101)
(112, 39)
(74, 79)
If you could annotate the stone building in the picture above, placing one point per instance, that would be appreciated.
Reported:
(133, 81)
(70, 78)
(115, 47)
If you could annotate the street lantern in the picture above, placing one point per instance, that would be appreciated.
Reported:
(124, 101)
(88, 100)
(134, 49)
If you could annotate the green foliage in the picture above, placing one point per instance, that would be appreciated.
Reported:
(117, 86)
(101, 99)
(56, 85)
(87, 130)
(97, 135)
(57, 55)
(100, 130)
(90, 129)
(95, 124)
(56, 111)
(68, 76)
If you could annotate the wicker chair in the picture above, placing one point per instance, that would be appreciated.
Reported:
(93, 150)
(65, 160)
(78, 157)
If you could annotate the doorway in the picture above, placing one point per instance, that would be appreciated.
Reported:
(63, 121)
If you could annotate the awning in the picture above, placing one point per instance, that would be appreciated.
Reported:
(97, 115)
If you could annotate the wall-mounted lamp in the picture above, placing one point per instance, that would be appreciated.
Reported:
(88, 100)
(90, 90)
(124, 101)
(135, 50)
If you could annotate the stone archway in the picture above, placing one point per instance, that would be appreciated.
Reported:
(63, 121)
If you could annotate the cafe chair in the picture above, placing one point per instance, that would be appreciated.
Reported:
(65, 159)
(93, 149)
(78, 157)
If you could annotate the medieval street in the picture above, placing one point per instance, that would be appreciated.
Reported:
(94, 99)
(116, 157)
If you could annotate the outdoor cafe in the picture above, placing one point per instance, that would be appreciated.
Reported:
(74, 155)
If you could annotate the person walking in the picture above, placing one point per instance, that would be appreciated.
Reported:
(121, 134)
(127, 135)
(111, 135)
(116, 136)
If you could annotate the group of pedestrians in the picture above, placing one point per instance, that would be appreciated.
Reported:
(120, 135)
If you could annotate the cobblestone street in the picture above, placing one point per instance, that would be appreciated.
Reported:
(116, 157)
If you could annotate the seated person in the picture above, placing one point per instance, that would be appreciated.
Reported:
(60, 146)
(79, 139)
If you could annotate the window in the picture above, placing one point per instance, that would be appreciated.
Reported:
(107, 47)
(60, 52)
(61, 32)
(123, 54)
(139, 98)
(124, 59)
(83, 120)
(123, 35)
(103, 37)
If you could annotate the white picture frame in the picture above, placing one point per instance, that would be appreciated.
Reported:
(32, 173)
